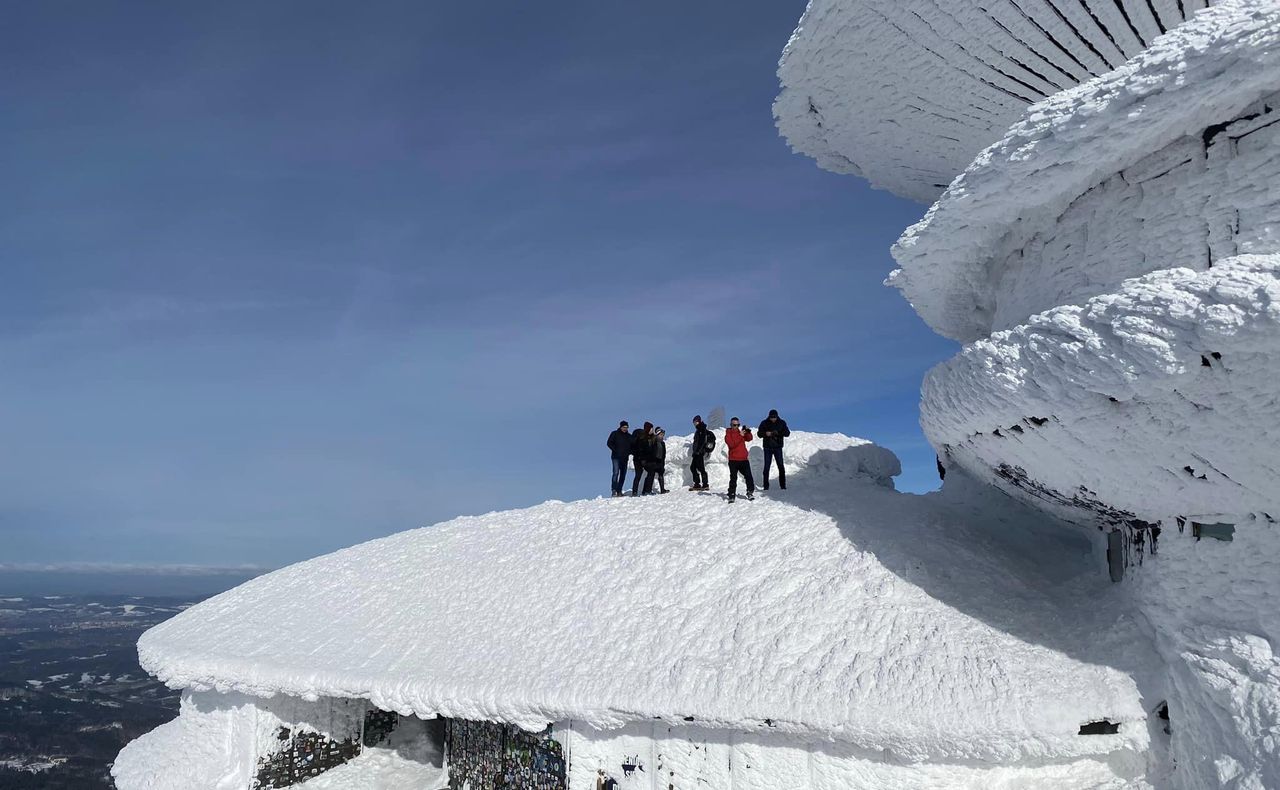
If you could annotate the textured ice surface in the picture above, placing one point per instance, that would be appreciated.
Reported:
(954, 626)
(1160, 399)
(689, 757)
(1213, 605)
(906, 92)
(1204, 72)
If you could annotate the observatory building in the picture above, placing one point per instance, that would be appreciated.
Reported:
(1110, 258)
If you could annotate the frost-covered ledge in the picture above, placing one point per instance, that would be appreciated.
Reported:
(1199, 74)
(1159, 398)
(905, 93)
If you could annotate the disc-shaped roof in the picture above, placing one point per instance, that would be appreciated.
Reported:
(905, 93)
(838, 609)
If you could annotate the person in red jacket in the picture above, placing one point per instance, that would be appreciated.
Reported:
(736, 439)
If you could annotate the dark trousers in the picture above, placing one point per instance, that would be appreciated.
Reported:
(662, 480)
(770, 454)
(635, 484)
(619, 474)
(743, 468)
(698, 468)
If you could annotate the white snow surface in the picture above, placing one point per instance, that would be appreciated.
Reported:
(1140, 410)
(1203, 72)
(906, 92)
(955, 626)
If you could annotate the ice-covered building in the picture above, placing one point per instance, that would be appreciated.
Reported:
(837, 635)
(1110, 259)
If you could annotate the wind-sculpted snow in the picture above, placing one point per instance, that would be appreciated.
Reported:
(1202, 73)
(837, 610)
(905, 92)
(830, 455)
(1160, 398)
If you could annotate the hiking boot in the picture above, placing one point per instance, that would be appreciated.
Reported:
(751, 496)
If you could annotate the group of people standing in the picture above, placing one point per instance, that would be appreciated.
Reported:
(646, 449)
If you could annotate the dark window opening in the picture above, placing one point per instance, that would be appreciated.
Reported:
(1224, 532)
(1100, 727)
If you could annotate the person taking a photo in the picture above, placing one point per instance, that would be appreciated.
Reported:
(736, 439)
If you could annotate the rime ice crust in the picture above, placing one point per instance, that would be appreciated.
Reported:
(1111, 263)
(845, 612)
(906, 92)
(1160, 399)
(1205, 72)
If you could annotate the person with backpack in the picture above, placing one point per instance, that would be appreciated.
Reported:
(736, 439)
(772, 432)
(704, 441)
(639, 452)
(619, 444)
(655, 462)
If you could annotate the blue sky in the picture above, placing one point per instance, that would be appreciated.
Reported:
(281, 277)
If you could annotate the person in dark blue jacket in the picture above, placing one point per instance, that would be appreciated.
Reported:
(772, 432)
(640, 448)
(620, 442)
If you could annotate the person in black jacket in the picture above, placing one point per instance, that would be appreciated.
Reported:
(772, 432)
(620, 452)
(655, 462)
(703, 441)
(639, 452)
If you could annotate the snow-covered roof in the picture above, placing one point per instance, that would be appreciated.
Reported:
(839, 609)
(1204, 72)
(906, 92)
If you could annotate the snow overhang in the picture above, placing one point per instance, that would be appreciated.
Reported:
(904, 93)
(1157, 399)
(1203, 72)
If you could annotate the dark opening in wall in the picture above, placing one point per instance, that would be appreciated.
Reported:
(1163, 712)
(1225, 532)
(1115, 555)
(485, 755)
(1100, 727)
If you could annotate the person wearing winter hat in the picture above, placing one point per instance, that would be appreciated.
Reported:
(655, 463)
(620, 452)
(772, 432)
(703, 442)
(736, 439)
(639, 452)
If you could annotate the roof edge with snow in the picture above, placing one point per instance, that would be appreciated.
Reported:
(1200, 73)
